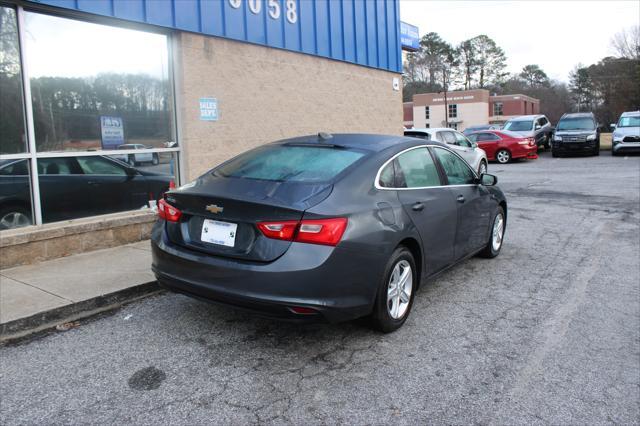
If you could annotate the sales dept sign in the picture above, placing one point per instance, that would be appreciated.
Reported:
(112, 132)
(208, 109)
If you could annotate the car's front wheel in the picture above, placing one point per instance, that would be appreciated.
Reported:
(395, 292)
(482, 168)
(503, 156)
(14, 217)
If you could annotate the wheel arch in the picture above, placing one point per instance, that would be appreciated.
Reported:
(416, 251)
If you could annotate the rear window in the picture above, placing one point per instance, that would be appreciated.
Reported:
(284, 163)
(518, 126)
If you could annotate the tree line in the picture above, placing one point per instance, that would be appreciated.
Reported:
(606, 88)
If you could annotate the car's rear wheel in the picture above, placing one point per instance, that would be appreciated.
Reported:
(482, 168)
(547, 142)
(395, 292)
(14, 217)
(496, 235)
(503, 156)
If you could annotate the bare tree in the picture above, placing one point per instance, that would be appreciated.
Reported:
(626, 43)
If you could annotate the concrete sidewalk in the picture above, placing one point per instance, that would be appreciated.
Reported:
(39, 296)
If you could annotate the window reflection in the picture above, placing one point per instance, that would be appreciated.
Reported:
(74, 187)
(15, 194)
(12, 134)
(95, 86)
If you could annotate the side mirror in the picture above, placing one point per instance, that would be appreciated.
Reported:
(474, 145)
(131, 172)
(613, 126)
(488, 180)
(538, 127)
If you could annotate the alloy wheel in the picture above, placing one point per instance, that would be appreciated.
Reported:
(399, 290)
(503, 157)
(498, 232)
(14, 220)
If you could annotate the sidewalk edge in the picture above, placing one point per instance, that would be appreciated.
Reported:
(23, 327)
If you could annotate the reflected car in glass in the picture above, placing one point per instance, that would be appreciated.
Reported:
(137, 158)
(327, 227)
(503, 146)
(74, 187)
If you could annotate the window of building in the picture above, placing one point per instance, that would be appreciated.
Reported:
(99, 93)
(497, 108)
(453, 111)
(426, 113)
(453, 126)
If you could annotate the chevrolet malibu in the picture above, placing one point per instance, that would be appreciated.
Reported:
(331, 227)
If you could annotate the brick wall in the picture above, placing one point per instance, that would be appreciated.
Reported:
(267, 94)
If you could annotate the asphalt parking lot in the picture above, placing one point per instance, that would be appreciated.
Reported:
(547, 333)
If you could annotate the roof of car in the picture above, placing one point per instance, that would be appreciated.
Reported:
(525, 117)
(630, 114)
(372, 142)
(577, 114)
(430, 129)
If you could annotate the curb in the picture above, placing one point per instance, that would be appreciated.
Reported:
(23, 327)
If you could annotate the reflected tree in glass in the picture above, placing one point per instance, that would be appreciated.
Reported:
(12, 134)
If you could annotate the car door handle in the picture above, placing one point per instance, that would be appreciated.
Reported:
(417, 207)
(460, 199)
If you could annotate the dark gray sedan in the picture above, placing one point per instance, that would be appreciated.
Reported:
(330, 227)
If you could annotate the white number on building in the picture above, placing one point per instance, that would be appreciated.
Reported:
(274, 9)
(292, 13)
(235, 3)
(255, 6)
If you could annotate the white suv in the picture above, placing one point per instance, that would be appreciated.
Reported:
(133, 159)
(476, 157)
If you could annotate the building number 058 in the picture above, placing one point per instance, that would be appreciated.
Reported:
(273, 6)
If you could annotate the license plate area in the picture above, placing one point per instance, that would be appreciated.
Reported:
(219, 233)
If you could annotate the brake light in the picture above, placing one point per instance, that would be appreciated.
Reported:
(284, 230)
(317, 231)
(322, 231)
(168, 212)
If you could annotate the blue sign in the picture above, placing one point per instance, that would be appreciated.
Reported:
(409, 37)
(112, 132)
(208, 109)
(364, 32)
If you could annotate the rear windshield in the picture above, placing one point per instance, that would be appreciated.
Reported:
(284, 163)
(518, 126)
(581, 123)
(421, 135)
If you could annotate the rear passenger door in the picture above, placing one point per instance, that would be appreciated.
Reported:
(473, 203)
(430, 205)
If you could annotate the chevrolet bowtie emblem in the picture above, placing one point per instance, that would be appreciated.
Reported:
(214, 209)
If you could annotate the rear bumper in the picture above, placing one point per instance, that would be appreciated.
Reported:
(339, 284)
(524, 151)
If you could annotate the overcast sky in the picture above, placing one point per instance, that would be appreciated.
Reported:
(556, 35)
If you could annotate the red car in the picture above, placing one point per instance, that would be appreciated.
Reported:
(504, 146)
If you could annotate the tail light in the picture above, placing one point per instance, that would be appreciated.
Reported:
(318, 231)
(168, 212)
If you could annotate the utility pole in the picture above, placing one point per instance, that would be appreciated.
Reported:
(446, 107)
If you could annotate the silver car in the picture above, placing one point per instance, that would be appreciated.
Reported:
(626, 134)
(537, 127)
(476, 157)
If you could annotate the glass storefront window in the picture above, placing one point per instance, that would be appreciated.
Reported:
(12, 129)
(96, 86)
(75, 187)
(15, 194)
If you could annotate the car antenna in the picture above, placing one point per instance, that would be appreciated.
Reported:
(324, 136)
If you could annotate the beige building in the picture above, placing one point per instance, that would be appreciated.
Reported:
(173, 89)
(463, 109)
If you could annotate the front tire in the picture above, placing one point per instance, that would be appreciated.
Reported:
(503, 156)
(396, 292)
(482, 168)
(547, 142)
(496, 235)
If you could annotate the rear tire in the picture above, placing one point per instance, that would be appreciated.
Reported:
(496, 235)
(503, 156)
(396, 292)
(547, 142)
